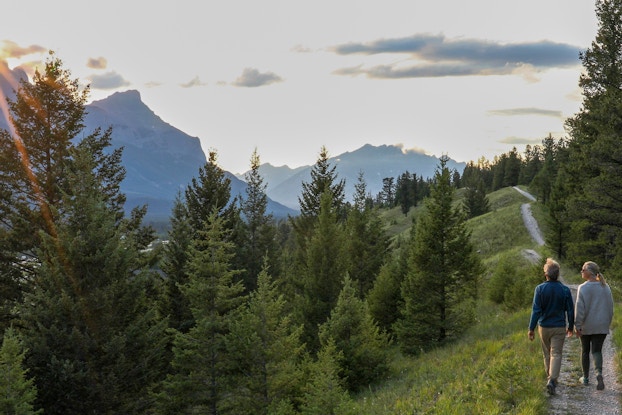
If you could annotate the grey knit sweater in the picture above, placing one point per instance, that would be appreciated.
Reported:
(594, 308)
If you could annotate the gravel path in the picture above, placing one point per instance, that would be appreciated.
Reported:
(573, 397)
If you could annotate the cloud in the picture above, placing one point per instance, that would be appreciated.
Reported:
(11, 49)
(301, 49)
(97, 63)
(520, 140)
(526, 111)
(193, 83)
(109, 80)
(437, 56)
(253, 78)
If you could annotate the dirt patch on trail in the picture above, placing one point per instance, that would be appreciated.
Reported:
(572, 396)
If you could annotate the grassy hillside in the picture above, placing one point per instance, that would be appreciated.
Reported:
(493, 368)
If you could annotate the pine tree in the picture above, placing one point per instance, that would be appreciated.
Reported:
(259, 242)
(367, 242)
(266, 345)
(475, 202)
(385, 298)
(325, 393)
(95, 345)
(440, 287)
(174, 264)
(47, 116)
(323, 180)
(322, 272)
(357, 336)
(17, 392)
(209, 192)
(595, 163)
(202, 368)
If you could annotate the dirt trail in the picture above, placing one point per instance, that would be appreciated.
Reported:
(573, 397)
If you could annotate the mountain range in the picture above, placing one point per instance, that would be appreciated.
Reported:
(161, 160)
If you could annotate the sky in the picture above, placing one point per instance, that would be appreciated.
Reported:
(466, 79)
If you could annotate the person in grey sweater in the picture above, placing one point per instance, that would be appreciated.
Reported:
(593, 315)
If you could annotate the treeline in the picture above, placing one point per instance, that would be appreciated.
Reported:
(236, 313)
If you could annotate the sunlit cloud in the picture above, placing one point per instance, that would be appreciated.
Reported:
(437, 56)
(109, 80)
(193, 83)
(10, 49)
(97, 63)
(253, 78)
(526, 112)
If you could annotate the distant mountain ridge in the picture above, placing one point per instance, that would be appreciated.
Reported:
(161, 160)
(375, 162)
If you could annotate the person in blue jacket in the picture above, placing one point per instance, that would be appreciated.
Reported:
(553, 312)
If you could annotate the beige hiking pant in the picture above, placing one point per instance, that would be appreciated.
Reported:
(552, 340)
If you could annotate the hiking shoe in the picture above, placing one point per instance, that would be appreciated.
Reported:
(601, 384)
(550, 387)
(584, 380)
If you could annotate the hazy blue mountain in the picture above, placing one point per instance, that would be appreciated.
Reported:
(376, 163)
(160, 159)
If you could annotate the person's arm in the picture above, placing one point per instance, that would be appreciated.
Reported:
(569, 312)
(536, 311)
(579, 312)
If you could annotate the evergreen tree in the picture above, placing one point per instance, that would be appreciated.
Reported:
(202, 368)
(475, 202)
(440, 288)
(95, 345)
(325, 393)
(259, 242)
(47, 116)
(385, 298)
(17, 392)
(174, 304)
(357, 336)
(323, 180)
(367, 242)
(266, 345)
(322, 272)
(209, 192)
(595, 163)
(388, 192)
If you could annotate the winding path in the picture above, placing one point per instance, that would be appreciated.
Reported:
(572, 397)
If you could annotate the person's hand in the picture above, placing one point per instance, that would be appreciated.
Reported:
(577, 332)
(531, 335)
(568, 333)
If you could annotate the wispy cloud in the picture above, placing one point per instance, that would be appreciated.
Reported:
(11, 49)
(438, 56)
(520, 141)
(253, 78)
(109, 80)
(510, 112)
(193, 83)
(97, 63)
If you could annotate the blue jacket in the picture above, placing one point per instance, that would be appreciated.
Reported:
(552, 306)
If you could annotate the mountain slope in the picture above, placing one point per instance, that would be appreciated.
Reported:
(160, 159)
(376, 163)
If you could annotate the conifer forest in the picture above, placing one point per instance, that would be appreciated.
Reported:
(232, 311)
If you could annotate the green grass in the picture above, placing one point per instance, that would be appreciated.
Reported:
(492, 368)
